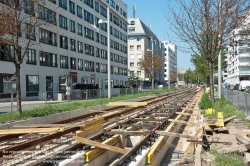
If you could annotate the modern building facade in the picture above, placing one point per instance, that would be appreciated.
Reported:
(170, 66)
(238, 55)
(72, 49)
(140, 40)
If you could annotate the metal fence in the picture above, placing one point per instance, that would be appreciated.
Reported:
(239, 99)
(29, 99)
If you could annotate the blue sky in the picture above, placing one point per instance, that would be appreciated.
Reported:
(152, 13)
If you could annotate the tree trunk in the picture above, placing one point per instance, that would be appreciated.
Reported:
(18, 89)
(210, 66)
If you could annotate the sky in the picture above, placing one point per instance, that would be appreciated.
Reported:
(153, 13)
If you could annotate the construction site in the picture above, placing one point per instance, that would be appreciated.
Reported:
(164, 129)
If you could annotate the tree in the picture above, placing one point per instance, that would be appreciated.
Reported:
(151, 63)
(205, 25)
(18, 22)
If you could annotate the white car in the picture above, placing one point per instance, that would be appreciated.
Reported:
(243, 84)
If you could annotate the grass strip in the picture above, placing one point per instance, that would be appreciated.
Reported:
(70, 106)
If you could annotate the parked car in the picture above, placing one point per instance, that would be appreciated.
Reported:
(236, 86)
(243, 84)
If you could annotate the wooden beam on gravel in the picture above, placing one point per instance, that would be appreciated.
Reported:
(229, 118)
(182, 121)
(31, 131)
(171, 134)
(100, 145)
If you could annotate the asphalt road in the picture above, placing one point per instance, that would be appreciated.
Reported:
(239, 99)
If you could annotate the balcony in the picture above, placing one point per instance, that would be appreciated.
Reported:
(50, 64)
(31, 62)
(104, 71)
(245, 55)
(89, 69)
(246, 72)
(244, 64)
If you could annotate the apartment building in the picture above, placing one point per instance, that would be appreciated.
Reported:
(238, 55)
(170, 65)
(140, 40)
(72, 49)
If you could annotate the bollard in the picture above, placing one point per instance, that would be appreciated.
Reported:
(45, 97)
(246, 104)
(86, 95)
(12, 102)
(238, 99)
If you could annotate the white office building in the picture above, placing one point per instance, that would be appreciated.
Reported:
(140, 40)
(72, 49)
(170, 66)
(238, 55)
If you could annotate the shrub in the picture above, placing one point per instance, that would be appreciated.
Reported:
(205, 102)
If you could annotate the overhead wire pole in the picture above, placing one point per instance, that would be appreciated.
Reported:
(219, 57)
(168, 68)
(152, 63)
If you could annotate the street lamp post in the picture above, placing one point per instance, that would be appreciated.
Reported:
(152, 63)
(108, 45)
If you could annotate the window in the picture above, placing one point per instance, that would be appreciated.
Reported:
(117, 7)
(131, 64)
(48, 59)
(97, 37)
(131, 56)
(31, 56)
(47, 15)
(103, 68)
(124, 38)
(124, 27)
(103, 11)
(72, 45)
(138, 47)
(116, 33)
(104, 27)
(73, 63)
(138, 38)
(96, 21)
(63, 22)
(111, 30)
(112, 3)
(89, 3)
(103, 40)
(138, 73)
(97, 7)
(47, 37)
(64, 62)
(97, 52)
(89, 50)
(116, 20)
(88, 17)
(138, 56)
(88, 33)
(97, 67)
(111, 16)
(63, 4)
(120, 24)
(79, 11)
(131, 48)
(79, 29)
(132, 73)
(111, 56)
(131, 38)
(138, 64)
(121, 11)
(104, 54)
(132, 22)
(30, 32)
(111, 43)
(124, 14)
(89, 66)
(28, 7)
(125, 61)
(64, 42)
(72, 26)
(32, 85)
(80, 46)
(80, 64)
(132, 30)
(71, 7)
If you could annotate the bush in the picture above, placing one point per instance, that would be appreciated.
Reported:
(205, 102)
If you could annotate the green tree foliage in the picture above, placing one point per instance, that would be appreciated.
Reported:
(205, 102)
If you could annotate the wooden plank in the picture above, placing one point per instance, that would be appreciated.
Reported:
(100, 145)
(182, 121)
(49, 125)
(171, 134)
(187, 114)
(242, 140)
(31, 131)
(127, 104)
(190, 146)
(206, 127)
(229, 118)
